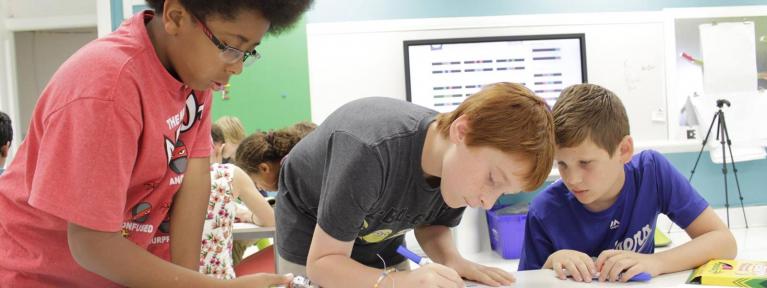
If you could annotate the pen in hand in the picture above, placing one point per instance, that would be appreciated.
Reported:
(402, 250)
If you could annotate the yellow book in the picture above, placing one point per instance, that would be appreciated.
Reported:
(740, 273)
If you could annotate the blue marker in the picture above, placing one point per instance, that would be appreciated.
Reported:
(643, 276)
(402, 250)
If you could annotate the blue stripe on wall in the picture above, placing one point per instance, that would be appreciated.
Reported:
(708, 180)
(339, 10)
(116, 7)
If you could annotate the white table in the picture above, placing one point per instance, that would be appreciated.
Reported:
(249, 231)
(546, 278)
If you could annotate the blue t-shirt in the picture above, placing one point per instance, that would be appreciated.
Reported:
(556, 220)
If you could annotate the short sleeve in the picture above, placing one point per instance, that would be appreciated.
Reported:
(203, 143)
(679, 200)
(449, 217)
(352, 183)
(536, 246)
(87, 151)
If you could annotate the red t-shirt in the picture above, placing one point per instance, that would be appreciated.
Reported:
(107, 149)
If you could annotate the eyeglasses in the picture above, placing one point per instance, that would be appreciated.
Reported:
(229, 54)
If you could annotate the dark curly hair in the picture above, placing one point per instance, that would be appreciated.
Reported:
(6, 130)
(282, 14)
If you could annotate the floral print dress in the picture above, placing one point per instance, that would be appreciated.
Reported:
(216, 254)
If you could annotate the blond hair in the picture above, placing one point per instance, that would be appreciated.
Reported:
(233, 130)
(511, 118)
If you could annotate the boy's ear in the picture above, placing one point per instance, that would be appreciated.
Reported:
(626, 149)
(4, 149)
(172, 15)
(264, 168)
(458, 129)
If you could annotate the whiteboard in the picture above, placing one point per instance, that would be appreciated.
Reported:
(352, 60)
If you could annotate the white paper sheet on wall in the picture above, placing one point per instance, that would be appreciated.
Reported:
(729, 72)
(729, 57)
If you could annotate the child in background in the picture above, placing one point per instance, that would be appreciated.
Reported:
(119, 141)
(260, 156)
(6, 136)
(304, 128)
(378, 167)
(234, 132)
(607, 201)
(228, 182)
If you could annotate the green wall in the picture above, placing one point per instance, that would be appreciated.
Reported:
(274, 91)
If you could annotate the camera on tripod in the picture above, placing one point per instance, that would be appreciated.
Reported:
(721, 102)
(726, 144)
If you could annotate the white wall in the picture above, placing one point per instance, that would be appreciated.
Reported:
(36, 36)
(49, 8)
(624, 52)
(39, 54)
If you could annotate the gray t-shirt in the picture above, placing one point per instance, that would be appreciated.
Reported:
(359, 176)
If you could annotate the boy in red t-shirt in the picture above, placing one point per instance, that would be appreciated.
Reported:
(118, 146)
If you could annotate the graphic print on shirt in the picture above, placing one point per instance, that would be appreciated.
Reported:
(175, 149)
(177, 158)
(386, 218)
(637, 241)
(163, 232)
(615, 224)
(139, 215)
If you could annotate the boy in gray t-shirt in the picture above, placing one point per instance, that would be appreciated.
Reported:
(379, 167)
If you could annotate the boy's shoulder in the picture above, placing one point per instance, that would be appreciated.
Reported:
(108, 59)
(553, 198)
(393, 118)
(108, 67)
(649, 159)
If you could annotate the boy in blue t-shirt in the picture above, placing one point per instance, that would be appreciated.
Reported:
(607, 202)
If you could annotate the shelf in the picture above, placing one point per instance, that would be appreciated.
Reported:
(50, 23)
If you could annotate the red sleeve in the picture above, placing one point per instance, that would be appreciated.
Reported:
(86, 157)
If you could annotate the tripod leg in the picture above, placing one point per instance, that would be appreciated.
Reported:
(697, 160)
(703, 145)
(734, 169)
(720, 131)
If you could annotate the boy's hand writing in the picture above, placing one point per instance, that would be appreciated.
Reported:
(620, 265)
(577, 264)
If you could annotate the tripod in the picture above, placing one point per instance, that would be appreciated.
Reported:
(724, 137)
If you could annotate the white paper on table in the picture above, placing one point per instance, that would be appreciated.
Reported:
(472, 284)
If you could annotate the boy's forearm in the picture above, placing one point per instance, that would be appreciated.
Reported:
(341, 271)
(111, 256)
(711, 245)
(437, 242)
(188, 214)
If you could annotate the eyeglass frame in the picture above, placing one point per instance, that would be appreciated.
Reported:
(224, 48)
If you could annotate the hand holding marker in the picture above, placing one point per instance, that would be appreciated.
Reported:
(402, 250)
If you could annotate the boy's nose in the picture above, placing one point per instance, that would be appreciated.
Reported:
(235, 68)
(487, 200)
